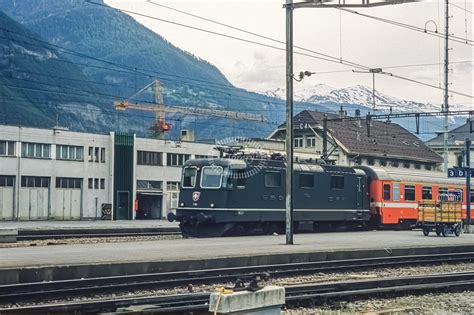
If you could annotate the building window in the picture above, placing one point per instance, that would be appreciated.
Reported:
(394, 163)
(272, 179)
(176, 159)
(96, 154)
(417, 166)
(386, 192)
(298, 141)
(428, 167)
(34, 181)
(6, 181)
(337, 182)
(306, 180)
(149, 158)
(68, 182)
(426, 193)
(7, 148)
(173, 192)
(406, 164)
(383, 162)
(69, 152)
(149, 185)
(409, 193)
(310, 142)
(102, 155)
(370, 161)
(96, 183)
(36, 150)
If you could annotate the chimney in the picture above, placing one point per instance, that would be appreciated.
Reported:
(342, 113)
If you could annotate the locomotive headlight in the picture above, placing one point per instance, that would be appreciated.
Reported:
(181, 204)
(211, 205)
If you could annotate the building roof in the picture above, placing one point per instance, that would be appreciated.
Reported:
(455, 136)
(386, 139)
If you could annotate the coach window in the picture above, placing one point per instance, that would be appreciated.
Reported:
(306, 180)
(189, 177)
(337, 182)
(272, 179)
(211, 177)
(427, 193)
(396, 192)
(409, 193)
(386, 192)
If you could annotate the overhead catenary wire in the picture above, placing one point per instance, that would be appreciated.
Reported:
(411, 27)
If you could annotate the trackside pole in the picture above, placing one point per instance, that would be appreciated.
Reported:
(468, 185)
(289, 122)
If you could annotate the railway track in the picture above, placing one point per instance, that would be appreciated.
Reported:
(312, 294)
(42, 291)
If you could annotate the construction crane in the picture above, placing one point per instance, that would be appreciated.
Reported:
(160, 109)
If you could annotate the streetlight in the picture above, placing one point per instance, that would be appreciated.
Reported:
(373, 71)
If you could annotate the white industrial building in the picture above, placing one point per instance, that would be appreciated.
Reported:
(55, 174)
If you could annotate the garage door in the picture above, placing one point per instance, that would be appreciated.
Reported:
(34, 198)
(67, 201)
(6, 197)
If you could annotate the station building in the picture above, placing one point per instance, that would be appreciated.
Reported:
(56, 174)
(456, 144)
(350, 143)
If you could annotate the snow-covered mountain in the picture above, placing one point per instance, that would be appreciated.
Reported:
(354, 95)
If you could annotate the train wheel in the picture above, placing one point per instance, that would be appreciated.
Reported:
(445, 230)
(426, 231)
(438, 230)
(457, 230)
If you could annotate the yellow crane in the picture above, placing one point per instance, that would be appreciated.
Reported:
(160, 109)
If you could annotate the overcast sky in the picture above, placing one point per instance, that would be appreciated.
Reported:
(329, 31)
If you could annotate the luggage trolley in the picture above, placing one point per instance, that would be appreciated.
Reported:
(443, 216)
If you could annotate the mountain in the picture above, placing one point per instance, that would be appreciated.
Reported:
(360, 98)
(354, 95)
(119, 56)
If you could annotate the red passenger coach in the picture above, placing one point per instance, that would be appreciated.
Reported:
(394, 193)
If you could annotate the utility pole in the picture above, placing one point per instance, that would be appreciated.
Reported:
(289, 122)
(446, 83)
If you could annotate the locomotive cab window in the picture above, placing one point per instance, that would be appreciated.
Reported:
(306, 180)
(337, 182)
(189, 177)
(211, 177)
(386, 192)
(427, 193)
(272, 179)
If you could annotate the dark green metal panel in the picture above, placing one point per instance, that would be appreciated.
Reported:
(123, 176)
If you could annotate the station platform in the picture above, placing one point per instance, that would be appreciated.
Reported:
(44, 263)
(78, 227)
